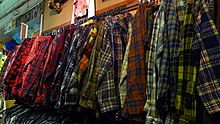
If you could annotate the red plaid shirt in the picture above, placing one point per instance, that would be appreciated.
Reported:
(32, 70)
(49, 69)
(18, 67)
(6, 68)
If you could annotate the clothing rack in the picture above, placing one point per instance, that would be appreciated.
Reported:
(107, 13)
(96, 17)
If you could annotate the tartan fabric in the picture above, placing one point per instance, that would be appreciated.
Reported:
(72, 92)
(106, 74)
(181, 5)
(88, 98)
(84, 63)
(136, 77)
(33, 69)
(206, 46)
(212, 8)
(6, 67)
(49, 68)
(185, 95)
(58, 78)
(149, 26)
(175, 45)
(71, 58)
(156, 52)
(11, 61)
(123, 78)
(20, 61)
(120, 39)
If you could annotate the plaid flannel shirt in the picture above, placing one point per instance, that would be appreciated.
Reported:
(11, 62)
(72, 92)
(106, 92)
(32, 70)
(88, 98)
(206, 47)
(120, 40)
(86, 56)
(6, 68)
(58, 78)
(123, 79)
(185, 95)
(149, 26)
(48, 70)
(25, 50)
(156, 51)
(136, 76)
(70, 59)
(175, 45)
(82, 64)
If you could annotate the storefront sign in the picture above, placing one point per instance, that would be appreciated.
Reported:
(31, 14)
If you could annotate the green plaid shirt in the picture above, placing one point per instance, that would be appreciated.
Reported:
(185, 95)
(123, 79)
(174, 48)
(153, 68)
(88, 98)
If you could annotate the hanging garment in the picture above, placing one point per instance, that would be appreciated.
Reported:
(32, 70)
(78, 41)
(58, 78)
(206, 49)
(84, 65)
(88, 97)
(72, 91)
(175, 45)
(185, 95)
(123, 78)
(18, 66)
(49, 69)
(5, 72)
(154, 69)
(136, 80)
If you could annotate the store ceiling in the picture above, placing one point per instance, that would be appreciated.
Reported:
(7, 6)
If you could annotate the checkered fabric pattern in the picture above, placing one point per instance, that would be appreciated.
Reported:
(24, 53)
(6, 68)
(175, 46)
(72, 91)
(58, 78)
(33, 69)
(136, 75)
(185, 95)
(88, 98)
(206, 46)
(49, 68)
(16, 65)
(123, 78)
(106, 86)
(156, 47)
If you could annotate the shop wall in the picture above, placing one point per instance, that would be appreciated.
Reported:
(52, 20)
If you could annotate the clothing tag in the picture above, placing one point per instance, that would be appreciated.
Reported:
(91, 9)
(73, 14)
